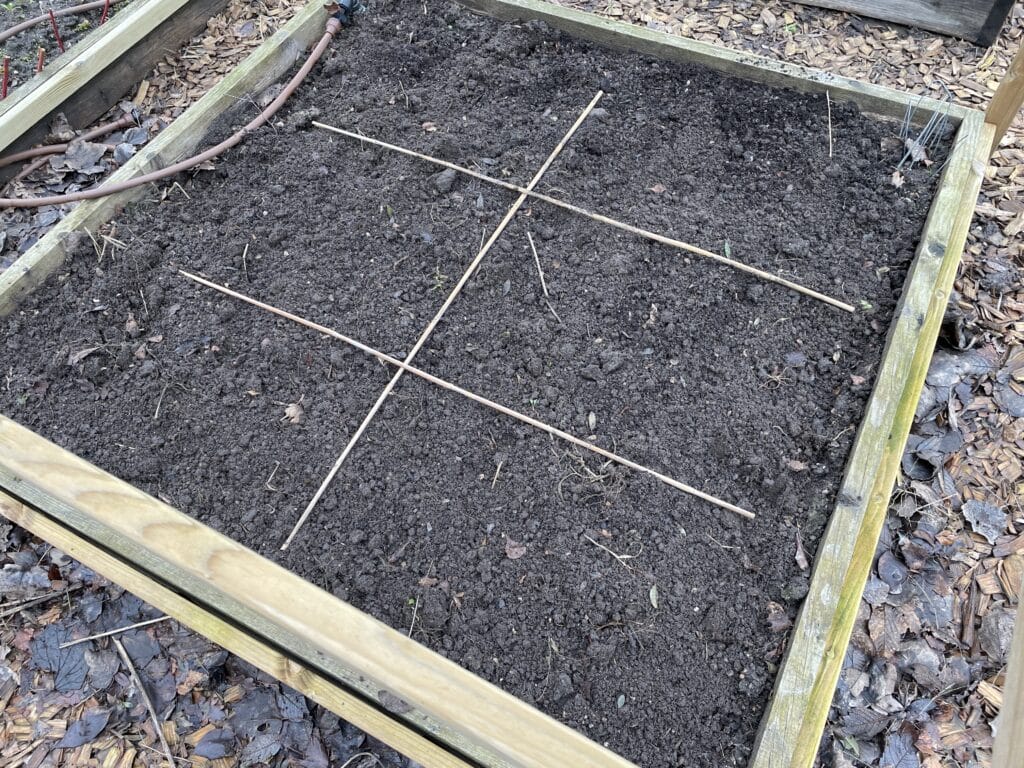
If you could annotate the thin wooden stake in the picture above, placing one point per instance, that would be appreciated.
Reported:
(5, 83)
(479, 399)
(112, 632)
(106, 12)
(646, 234)
(153, 716)
(40, 60)
(56, 31)
(437, 318)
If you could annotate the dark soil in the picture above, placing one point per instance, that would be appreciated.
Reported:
(492, 541)
(24, 47)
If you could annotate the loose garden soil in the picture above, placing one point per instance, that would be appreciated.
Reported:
(620, 606)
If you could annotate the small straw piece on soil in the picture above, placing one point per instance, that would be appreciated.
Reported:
(112, 632)
(536, 260)
(646, 234)
(168, 755)
(828, 102)
(437, 318)
(404, 366)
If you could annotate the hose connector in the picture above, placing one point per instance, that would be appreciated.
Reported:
(343, 10)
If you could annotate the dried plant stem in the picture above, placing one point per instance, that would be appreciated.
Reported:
(828, 102)
(646, 234)
(112, 632)
(540, 270)
(153, 716)
(437, 319)
(404, 366)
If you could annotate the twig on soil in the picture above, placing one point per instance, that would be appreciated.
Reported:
(620, 559)
(113, 632)
(273, 472)
(540, 271)
(21, 605)
(159, 402)
(497, 472)
(437, 318)
(404, 366)
(245, 267)
(646, 234)
(828, 102)
(148, 702)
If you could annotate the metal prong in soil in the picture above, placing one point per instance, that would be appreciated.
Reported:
(479, 399)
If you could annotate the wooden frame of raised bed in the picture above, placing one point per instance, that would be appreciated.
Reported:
(376, 677)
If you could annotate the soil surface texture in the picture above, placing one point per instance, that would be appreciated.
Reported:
(23, 48)
(644, 617)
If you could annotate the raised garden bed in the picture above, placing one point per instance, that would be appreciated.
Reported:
(598, 594)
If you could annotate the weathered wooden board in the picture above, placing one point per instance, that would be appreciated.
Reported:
(426, 690)
(791, 730)
(875, 99)
(976, 20)
(1007, 100)
(1009, 746)
(328, 693)
(263, 67)
(99, 70)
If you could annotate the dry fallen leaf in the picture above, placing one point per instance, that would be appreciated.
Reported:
(801, 555)
(897, 179)
(796, 466)
(294, 413)
(430, 127)
(658, 189)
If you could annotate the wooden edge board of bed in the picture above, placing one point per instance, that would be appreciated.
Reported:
(36, 98)
(224, 633)
(875, 99)
(432, 694)
(791, 730)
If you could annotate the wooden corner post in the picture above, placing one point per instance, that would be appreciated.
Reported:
(1009, 96)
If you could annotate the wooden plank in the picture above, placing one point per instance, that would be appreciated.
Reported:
(791, 730)
(299, 676)
(875, 99)
(976, 20)
(432, 694)
(1007, 100)
(264, 66)
(30, 103)
(95, 97)
(1009, 747)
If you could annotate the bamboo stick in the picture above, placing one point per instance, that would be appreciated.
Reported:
(479, 399)
(437, 318)
(639, 232)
